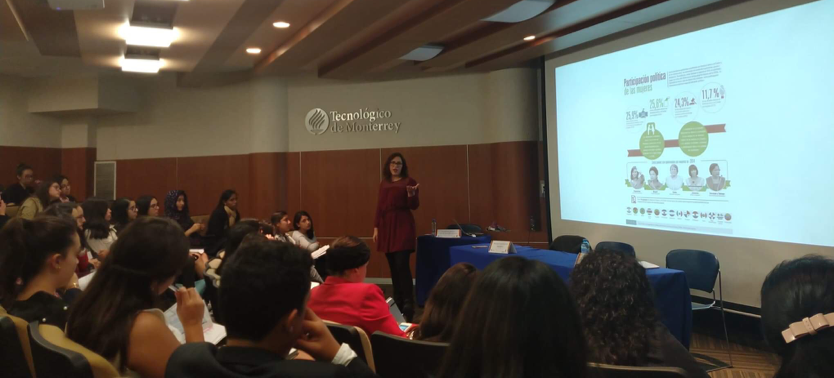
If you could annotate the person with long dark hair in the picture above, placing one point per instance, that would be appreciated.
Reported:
(115, 316)
(282, 227)
(147, 205)
(176, 208)
(797, 302)
(123, 211)
(48, 192)
(518, 321)
(37, 263)
(98, 233)
(224, 216)
(66, 189)
(445, 302)
(73, 212)
(394, 230)
(304, 236)
(611, 290)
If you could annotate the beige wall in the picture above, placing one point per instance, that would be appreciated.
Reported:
(744, 262)
(17, 126)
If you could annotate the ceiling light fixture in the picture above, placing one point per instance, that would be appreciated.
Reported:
(141, 64)
(281, 25)
(149, 34)
(423, 53)
(253, 50)
(521, 11)
(529, 37)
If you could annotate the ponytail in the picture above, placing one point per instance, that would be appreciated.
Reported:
(24, 246)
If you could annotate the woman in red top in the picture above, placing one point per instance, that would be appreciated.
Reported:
(394, 227)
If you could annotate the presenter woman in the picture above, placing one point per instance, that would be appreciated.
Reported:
(637, 178)
(654, 183)
(673, 181)
(394, 231)
(715, 181)
(694, 183)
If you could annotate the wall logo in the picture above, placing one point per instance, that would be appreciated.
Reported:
(317, 121)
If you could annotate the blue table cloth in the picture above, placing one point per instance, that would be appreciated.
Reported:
(433, 260)
(671, 290)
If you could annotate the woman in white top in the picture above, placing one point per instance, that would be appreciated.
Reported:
(282, 226)
(673, 181)
(98, 232)
(115, 316)
(304, 234)
(694, 183)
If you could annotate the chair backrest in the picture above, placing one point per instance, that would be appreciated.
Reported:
(567, 243)
(57, 356)
(701, 267)
(617, 247)
(11, 211)
(403, 358)
(612, 371)
(468, 228)
(13, 361)
(356, 338)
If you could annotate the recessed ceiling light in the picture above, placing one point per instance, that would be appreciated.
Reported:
(529, 37)
(281, 24)
(142, 64)
(253, 50)
(149, 35)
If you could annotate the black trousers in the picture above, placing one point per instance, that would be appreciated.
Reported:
(399, 262)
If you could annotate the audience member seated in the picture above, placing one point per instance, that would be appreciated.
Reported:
(98, 232)
(115, 316)
(18, 192)
(344, 298)
(37, 262)
(795, 295)
(123, 211)
(147, 206)
(222, 219)
(445, 302)
(236, 235)
(305, 237)
(66, 189)
(176, 208)
(3, 217)
(265, 288)
(73, 212)
(48, 192)
(518, 321)
(282, 226)
(612, 290)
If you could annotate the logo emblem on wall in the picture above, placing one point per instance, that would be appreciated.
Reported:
(317, 121)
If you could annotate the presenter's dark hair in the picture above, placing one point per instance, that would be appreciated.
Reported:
(149, 251)
(95, 210)
(611, 290)
(251, 280)
(653, 169)
(691, 167)
(24, 247)
(311, 233)
(386, 169)
(792, 291)
(445, 302)
(712, 166)
(236, 235)
(143, 204)
(22, 167)
(518, 321)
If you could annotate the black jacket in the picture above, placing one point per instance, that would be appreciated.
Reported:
(200, 360)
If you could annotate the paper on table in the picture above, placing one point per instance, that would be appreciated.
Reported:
(648, 265)
(212, 332)
(197, 250)
(84, 281)
(320, 252)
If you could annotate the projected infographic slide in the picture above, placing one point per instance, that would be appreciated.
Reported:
(725, 131)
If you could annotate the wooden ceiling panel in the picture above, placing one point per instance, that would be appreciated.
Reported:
(53, 32)
(324, 33)
(10, 30)
(438, 20)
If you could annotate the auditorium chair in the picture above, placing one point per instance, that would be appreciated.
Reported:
(356, 338)
(701, 269)
(616, 247)
(11, 211)
(55, 355)
(613, 371)
(567, 243)
(398, 357)
(15, 355)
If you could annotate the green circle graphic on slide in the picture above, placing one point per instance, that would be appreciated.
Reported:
(652, 143)
(693, 138)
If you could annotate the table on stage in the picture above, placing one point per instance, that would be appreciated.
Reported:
(433, 260)
(671, 291)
